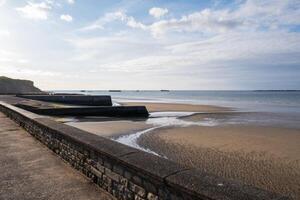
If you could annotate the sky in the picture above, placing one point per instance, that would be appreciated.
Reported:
(152, 44)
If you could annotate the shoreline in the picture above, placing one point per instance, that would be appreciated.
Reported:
(113, 127)
(207, 138)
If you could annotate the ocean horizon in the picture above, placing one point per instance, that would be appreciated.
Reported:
(274, 108)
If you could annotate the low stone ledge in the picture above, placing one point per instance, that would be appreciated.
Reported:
(128, 173)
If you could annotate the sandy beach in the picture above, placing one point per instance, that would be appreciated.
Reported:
(263, 156)
(266, 157)
(117, 127)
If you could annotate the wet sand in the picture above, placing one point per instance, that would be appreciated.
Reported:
(265, 157)
(174, 107)
(111, 129)
(115, 128)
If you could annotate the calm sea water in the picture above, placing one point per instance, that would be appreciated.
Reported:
(281, 108)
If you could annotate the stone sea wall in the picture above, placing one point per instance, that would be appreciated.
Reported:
(125, 172)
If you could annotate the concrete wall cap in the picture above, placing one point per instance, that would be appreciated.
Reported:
(209, 186)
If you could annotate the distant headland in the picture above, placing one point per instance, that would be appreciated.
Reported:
(17, 86)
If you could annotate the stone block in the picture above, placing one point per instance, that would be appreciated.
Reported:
(137, 189)
(124, 181)
(96, 172)
(112, 175)
(100, 167)
(152, 196)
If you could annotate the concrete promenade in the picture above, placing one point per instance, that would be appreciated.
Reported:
(30, 171)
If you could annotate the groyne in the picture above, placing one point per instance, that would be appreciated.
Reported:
(107, 111)
(128, 173)
(86, 100)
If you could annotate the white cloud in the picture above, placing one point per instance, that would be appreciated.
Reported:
(70, 1)
(278, 11)
(67, 18)
(4, 33)
(240, 46)
(2, 2)
(251, 15)
(16, 71)
(108, 17)
(35, 11)
(139, 54)
(7, 56)
(204, 21)
(158, 12)
(114, 16)
(244, 34)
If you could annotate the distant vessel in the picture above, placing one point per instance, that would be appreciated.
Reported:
(114, 90)
(82, 90)
(165, 90)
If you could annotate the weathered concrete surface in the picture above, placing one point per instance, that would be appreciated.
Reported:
(87, 100)
(108, 111)
(30, 171)
(11, 99)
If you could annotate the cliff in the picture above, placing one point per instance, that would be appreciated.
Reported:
(16, 86)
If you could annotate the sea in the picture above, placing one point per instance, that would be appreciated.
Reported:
(260, 107)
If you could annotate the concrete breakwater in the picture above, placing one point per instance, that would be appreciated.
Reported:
(107, 111)
(86, 100)
(125, 172)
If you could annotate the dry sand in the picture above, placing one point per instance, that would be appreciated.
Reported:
(265, 157)
(159, 107)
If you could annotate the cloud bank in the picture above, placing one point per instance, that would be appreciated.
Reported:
(251, 44)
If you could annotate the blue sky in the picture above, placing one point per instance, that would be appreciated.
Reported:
(152, 44)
